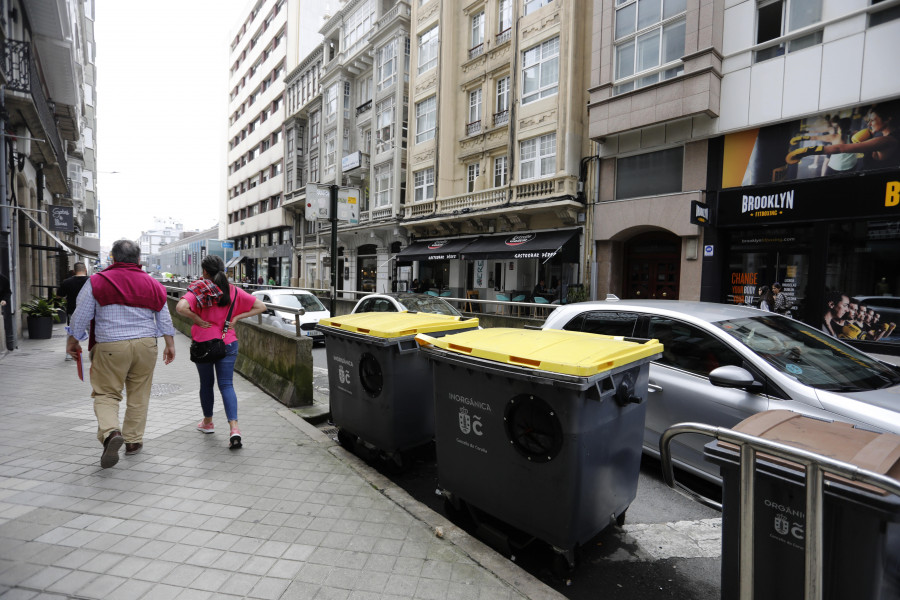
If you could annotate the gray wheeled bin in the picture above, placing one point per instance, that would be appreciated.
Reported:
(861, 533)
(379, 384)
(541, 429)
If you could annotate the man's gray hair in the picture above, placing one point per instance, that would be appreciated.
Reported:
(126, 251)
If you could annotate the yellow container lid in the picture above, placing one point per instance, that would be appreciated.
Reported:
(557, 351)
(397, 324)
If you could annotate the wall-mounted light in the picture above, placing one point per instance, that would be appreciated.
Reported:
(691, 248)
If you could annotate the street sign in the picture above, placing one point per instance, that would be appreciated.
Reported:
(318, 203)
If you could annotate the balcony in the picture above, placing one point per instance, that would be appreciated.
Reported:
(504, 36)
(494, 198)
(476, 51)
(501, 118)
(28, 105)
(364, 107)
(473, 128)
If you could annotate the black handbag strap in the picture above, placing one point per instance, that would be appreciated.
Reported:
(228, 317)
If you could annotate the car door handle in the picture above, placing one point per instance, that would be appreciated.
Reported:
(652, 387)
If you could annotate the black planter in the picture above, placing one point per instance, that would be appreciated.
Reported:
(40, 328)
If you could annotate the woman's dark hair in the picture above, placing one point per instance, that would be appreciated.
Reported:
(215, 268)
(765, 293)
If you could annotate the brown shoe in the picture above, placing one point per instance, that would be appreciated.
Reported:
(133, 448)
(111, 447)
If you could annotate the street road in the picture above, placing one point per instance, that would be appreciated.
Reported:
(669, 547)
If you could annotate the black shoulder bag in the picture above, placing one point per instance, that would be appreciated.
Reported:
(212, 350)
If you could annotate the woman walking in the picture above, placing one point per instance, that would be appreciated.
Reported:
(206, 304)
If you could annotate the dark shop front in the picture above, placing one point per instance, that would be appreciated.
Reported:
(833, 244)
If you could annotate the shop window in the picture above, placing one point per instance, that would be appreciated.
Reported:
(778, 18)
(649, 174)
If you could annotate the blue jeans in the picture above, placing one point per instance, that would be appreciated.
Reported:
(224, 374)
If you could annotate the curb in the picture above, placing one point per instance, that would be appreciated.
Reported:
(505, 570)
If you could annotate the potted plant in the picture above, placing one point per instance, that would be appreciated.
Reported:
(41, 316)
(59, 303)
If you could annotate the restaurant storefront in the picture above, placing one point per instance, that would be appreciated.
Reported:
(830, 235)
(494, 266)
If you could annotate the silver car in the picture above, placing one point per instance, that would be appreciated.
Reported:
(724, 363)
(400, 301)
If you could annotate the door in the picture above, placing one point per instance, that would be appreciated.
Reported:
(652, 266)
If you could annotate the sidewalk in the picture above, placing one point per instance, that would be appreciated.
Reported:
(291, 515)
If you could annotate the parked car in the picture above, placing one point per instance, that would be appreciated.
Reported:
(400, 301)
(723, 363)
(294, 298)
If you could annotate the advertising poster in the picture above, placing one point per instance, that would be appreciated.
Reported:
(858, 139)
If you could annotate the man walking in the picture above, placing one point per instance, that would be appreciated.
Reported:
(124, 311)
(70, 288)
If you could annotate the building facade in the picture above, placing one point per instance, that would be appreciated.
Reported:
(48, 203)
(499, 156)
(183, 257)
(745, 143)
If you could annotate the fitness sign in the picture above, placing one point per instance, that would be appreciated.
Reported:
(871, 195)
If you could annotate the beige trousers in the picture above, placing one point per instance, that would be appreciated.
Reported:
(127, 364)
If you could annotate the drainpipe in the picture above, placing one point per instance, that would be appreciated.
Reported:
(5, 229)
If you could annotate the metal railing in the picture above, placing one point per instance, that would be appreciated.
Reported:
(501, 118)
(473, 127)
(815, 466)
(476, 51)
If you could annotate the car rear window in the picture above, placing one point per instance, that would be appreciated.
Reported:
(604, 322)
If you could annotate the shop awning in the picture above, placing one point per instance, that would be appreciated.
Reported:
(543, 245)
(234, 260)
(67, 246)
(434, 250)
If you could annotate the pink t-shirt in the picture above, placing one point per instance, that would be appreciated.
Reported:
(215, 315)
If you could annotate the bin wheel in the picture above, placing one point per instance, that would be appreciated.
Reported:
(346, 439)
(561, 566)
(620, 520)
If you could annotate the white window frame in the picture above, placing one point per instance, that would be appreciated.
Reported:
(428, 50)
(634, 39)
(476, 37)
(426, 119)
(501, 170)
(315, 124)
(314, 169)
(504, 15)
(473, 170)
(537, 157)
(423, 185)
(533, 5)
(502, 97)
(347, 91)
(538, 61)
(788, 25)
(474, 106)
(330, 152)
(384, 183)
(384, 125)
(386, 64)
(329, 102)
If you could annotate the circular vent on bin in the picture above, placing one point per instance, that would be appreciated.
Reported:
(370, 374)
(533, 428)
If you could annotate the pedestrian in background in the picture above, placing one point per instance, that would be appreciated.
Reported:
(766, 298)
(206, 304)
(70, 288)
(122, 310)
(781, 305)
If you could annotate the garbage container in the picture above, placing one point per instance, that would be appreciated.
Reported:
(861, 535)
(541, 429)
(379, 384)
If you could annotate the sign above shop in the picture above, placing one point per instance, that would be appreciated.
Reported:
(62, 218)
(863, 195)
(699, 213)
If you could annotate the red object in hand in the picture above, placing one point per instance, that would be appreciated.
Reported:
(80, 366)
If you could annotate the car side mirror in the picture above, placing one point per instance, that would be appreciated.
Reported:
(731, 376)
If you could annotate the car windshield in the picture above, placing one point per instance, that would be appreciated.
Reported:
(428, 304)
(305, 301)
(811, 357)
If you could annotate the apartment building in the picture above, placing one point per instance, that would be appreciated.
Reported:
(254, 219)
(346, 125)
(48, 204)
(499, 174)
(163, 231)
(183, 257)
(745, 142)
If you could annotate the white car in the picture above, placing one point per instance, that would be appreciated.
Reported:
(294, 298)
(401, 301)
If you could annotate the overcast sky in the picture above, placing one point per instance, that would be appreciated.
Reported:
(162, 78)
